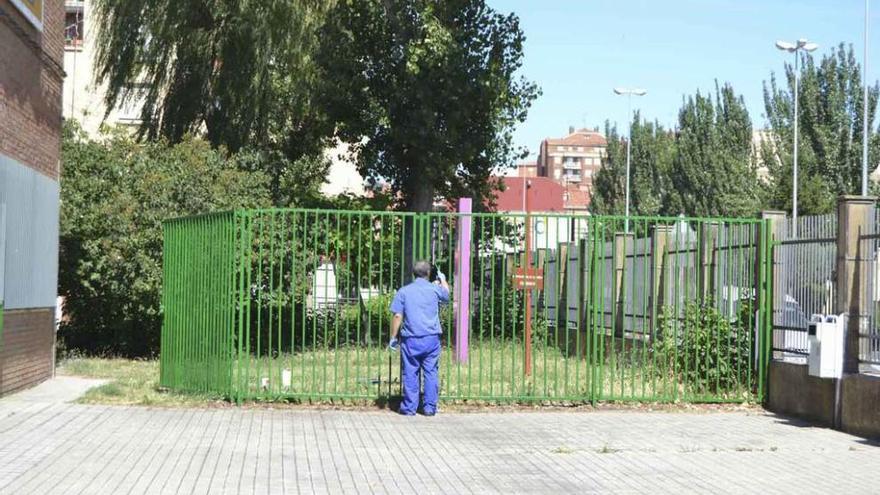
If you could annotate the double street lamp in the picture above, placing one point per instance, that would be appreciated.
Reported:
(800, 45)
(629, 93)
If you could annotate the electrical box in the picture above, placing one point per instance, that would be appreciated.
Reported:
(825, 337)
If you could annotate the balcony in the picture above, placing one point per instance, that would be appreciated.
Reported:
(571, 165)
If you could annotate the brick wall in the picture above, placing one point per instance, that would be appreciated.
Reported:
(26, 348)
(31, 78)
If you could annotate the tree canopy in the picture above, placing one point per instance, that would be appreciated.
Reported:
(703, 168)
(239, 72)
(426, 91)
(116, 193)
(830, 131)
(713, 173)
(651, 162)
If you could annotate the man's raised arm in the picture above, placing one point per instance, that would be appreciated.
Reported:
(443, 291)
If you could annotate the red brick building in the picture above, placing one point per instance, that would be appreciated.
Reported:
(31, 78)
(574, 159)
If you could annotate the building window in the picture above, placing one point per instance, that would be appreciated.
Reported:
(571, 163)
(580, 149)
(73, 27)
(129, 109)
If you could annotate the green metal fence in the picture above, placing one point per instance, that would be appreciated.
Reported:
(272, 304)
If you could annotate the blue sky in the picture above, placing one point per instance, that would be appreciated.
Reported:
(577, 51)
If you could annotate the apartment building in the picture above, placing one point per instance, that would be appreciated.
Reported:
(31, 77)
(83, 98)
(573, 159)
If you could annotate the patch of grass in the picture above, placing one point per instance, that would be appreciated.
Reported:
(563, 450)
(132, 382)
(494, 371)
(363, 375)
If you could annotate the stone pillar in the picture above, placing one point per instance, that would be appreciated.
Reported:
(621, 242)
(854, 214)
(659, 262)
(708, 255)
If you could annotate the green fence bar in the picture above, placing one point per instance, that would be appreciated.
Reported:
(292, 304)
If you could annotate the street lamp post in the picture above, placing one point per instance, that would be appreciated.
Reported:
(800, 45)
(628, 92)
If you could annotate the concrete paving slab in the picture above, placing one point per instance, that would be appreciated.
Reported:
(53, 446)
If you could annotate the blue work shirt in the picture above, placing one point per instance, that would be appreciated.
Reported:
(419, 303)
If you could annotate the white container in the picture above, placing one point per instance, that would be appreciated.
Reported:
(826, 346)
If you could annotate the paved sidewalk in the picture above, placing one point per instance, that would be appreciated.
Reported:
(49, 446)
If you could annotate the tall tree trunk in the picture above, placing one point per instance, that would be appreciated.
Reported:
(420, 199)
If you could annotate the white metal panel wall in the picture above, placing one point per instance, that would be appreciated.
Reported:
(31, 236)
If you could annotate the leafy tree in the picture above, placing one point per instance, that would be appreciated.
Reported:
(427, 91)
(240, 72)
(653, 149)
(115, 194)
(713, 173)
(830, 131)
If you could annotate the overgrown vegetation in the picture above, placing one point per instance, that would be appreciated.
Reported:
(705, 348)
(115, 195)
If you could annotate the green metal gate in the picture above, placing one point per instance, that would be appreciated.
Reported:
(283, 303)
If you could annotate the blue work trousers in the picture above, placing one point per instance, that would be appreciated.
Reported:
(419, 355)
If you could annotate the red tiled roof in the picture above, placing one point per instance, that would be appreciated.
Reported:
(582, 137)
(544, 195)
(576, 198)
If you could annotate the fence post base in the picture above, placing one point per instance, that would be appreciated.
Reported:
(854, 214)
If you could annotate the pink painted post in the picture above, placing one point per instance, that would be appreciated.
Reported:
(462, 281)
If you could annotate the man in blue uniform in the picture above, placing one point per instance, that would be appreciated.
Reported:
(416, 320)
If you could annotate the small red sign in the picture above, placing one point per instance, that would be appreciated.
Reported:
(528, 279)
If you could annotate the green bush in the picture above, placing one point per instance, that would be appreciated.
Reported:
(705, 347)
(115, 193)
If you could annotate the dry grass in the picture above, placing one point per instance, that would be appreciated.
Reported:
(132, 382)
